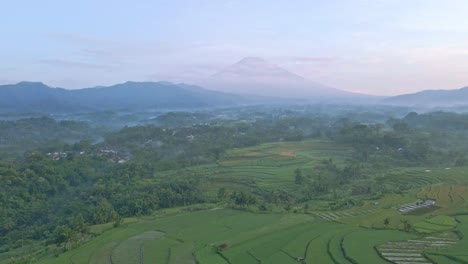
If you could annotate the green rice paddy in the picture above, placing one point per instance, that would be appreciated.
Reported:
(368, 233)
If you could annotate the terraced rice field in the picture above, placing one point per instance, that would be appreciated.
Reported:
(361, 234)
(269, 166)
(250, 238)
(336, 215)
(416, 206)
(457, 253)
(453, 199)
(264, 238)
(412, 251)
(436, 224)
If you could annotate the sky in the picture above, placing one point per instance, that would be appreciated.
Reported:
(380, 47)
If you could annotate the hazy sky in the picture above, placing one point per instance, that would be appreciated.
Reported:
(380, 47)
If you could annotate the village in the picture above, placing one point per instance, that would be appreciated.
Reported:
(109, 154)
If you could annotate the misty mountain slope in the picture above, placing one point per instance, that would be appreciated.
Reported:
(253, 68)
(446, 98)
(136, 95)
(38, 97)
(253, 75)
(34, 96)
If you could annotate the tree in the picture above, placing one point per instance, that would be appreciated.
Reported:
(118, 221)
(401, 127)
(104, 212)
(242, 199)
(79, 225)
(221, 193)
(67, 236)
(461, 161)
(386, 222)
(406, 225)
(298, 178)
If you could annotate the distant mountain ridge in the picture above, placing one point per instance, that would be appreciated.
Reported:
(253, 67)
(442, 98)
(38, 97)
(253, 75)
(32, 96)
(250, 81)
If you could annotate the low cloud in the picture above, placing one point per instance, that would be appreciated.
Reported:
(185, 74)
(6, 81)
(314, 59)
(75, 64)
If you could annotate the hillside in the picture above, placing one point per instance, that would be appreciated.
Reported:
(458, 97)
(38, 97)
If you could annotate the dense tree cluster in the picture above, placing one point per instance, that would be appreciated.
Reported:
(45, 133)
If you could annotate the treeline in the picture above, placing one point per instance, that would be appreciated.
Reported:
(172, 148)
(437, 121)
(416, 139)
(19, 136)
(38, 195)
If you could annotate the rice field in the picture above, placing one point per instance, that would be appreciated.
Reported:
(436, 224)
(457, 253)
(268, 166)
(244, 237)
(414, 250)
(249, 238)
(452, 198)
(337, 215)
(368, 233)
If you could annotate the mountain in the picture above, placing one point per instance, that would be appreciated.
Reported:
(253, 75)
(144, 95)
(38, 97)
(254, 69)
(436, 98)
(32, 96)
(249, 81)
